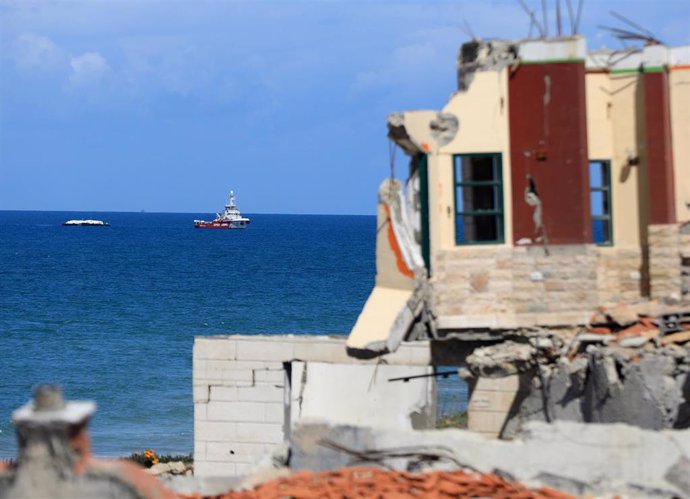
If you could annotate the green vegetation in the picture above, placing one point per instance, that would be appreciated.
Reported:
(455, 420)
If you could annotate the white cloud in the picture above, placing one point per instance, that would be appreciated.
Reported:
(32, 52)
(88, 68)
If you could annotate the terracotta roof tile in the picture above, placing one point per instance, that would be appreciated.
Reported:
(378, 483)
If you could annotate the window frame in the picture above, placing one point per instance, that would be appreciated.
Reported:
(607, 192)
(499, 213)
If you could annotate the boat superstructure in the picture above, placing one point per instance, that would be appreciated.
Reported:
(231, 218)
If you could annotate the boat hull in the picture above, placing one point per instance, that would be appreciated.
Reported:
(220, 225)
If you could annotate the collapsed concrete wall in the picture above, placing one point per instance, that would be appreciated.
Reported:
(636, 378)
(576, 458)
(650, 389)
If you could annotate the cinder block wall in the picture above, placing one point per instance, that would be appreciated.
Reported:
(238, 404)
(242, 400)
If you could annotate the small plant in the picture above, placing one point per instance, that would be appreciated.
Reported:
(147, 458)
(455, 420)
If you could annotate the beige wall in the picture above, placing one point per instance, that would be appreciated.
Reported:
(599, 124)
(627, 180)
(680, 131)
(483, 114)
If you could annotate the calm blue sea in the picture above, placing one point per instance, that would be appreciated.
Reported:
(111, 313)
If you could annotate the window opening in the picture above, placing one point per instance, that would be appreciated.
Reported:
(478, 199)
(600, 201)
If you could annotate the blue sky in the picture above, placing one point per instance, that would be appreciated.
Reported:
(165, 105)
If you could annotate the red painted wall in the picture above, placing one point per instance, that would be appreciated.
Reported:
(662, 208)
(556, 130)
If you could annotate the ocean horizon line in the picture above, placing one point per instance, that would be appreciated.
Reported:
(147, 212)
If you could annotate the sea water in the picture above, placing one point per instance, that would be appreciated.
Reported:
(110, 313)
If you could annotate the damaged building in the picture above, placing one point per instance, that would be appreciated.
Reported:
(538, 245)
(539, 248)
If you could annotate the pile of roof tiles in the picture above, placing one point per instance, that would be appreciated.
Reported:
(636, 326)
(378, 483)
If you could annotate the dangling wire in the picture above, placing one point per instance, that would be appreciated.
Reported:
(392, 149)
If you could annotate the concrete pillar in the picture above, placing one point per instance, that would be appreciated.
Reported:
(492, 402)
(659, 149)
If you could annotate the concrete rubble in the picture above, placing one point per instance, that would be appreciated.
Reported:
(625, 367)
(591, 460)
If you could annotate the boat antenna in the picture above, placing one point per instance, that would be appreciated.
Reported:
(545, 18)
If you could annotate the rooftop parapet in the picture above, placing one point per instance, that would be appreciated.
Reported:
(646, 59)
(494, 55)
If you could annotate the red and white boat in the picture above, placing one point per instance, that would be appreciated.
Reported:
(230, 219)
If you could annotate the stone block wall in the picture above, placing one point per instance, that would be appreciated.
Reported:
(664, 243)
(685, 258)
(620, 276)
(506, 287)
(242, 392)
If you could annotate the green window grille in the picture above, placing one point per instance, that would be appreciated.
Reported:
(478, 198)
(600, 201)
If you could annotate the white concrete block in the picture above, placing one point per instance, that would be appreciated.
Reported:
(252, 364)
(236, 411)
(222, 393)
(212, 468)
(214, 431)
(201, 393)
(270, 376)
(274, 413)
(200, 412)
(240, 377)
(199, 451)
(214, 348)
(234, 452)
(266, 433)
(263, 350)
(260, 393)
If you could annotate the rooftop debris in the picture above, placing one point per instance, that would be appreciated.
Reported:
(630, 365)
(375, 482)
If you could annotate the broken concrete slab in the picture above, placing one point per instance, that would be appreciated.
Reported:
(573, 457)
(502, 359)
(648, 388)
